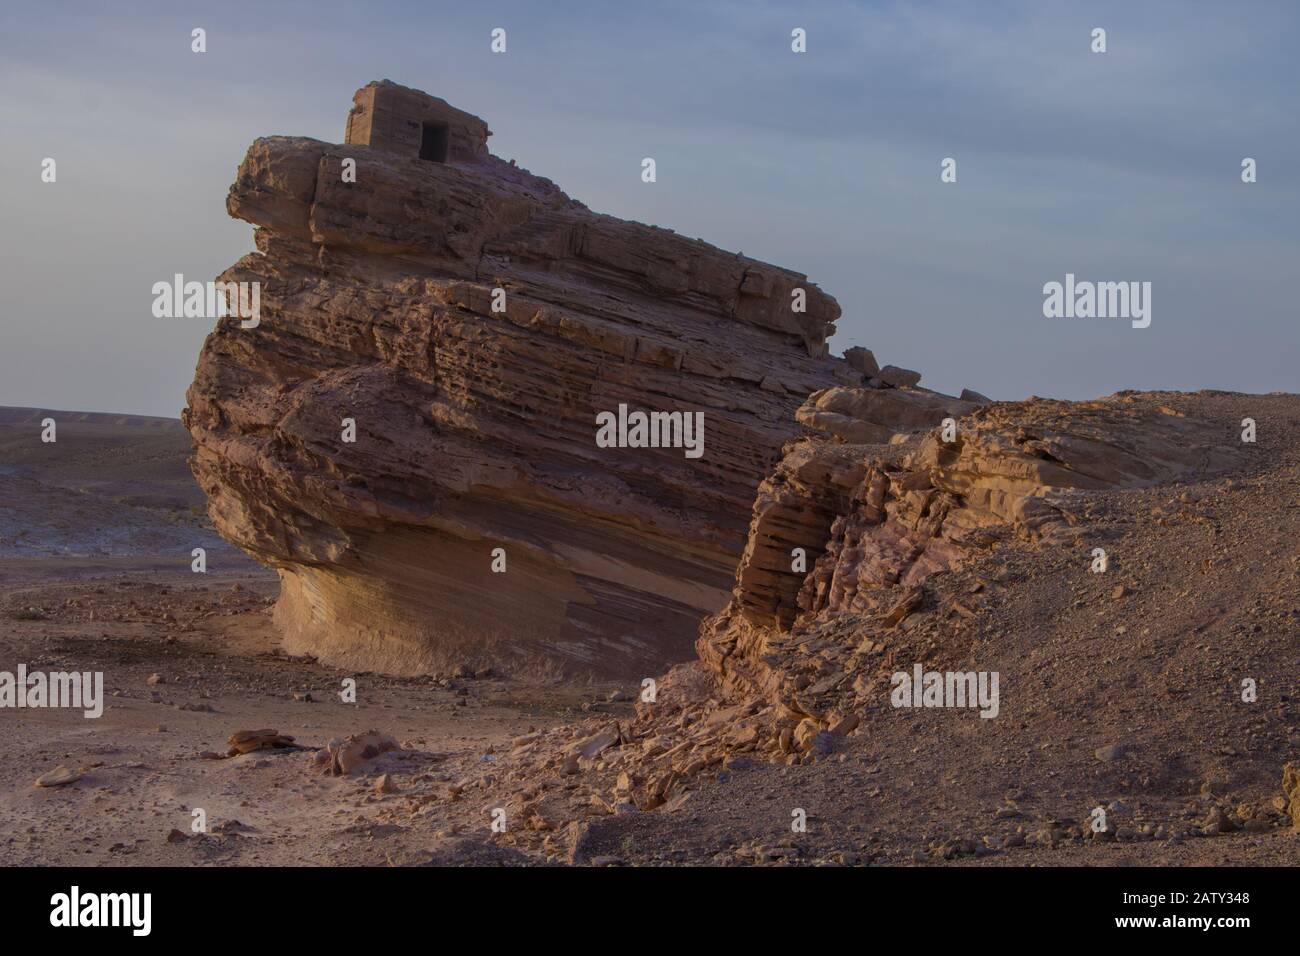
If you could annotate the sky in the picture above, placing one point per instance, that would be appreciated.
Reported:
(1115, 166)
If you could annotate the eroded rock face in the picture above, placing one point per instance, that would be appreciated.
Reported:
(968, 555)
(876, 521)
(475, 428)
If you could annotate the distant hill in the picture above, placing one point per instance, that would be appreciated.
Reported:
(110, 484)
(17, 415)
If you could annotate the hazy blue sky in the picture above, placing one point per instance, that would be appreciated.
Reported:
(1115, 166)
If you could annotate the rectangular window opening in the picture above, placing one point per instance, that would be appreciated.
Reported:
(433, 142)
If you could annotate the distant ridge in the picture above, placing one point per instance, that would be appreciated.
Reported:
(17, 415)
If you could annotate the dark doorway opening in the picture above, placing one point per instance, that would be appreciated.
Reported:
(433, 142)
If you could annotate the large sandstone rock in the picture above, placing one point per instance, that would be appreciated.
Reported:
(475, 428)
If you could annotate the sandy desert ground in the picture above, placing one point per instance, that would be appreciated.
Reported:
(1120, 693)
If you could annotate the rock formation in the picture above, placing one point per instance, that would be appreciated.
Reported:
(901, 536)
(470, 321)
(875, 521)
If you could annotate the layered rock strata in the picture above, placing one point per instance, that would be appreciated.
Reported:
(468, 321)
(851, 532)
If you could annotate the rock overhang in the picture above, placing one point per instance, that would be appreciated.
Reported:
(472, 320)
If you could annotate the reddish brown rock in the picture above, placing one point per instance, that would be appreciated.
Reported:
(343, 756)
(1291, 792)
(58, 777)
(247, 741)
(475, 428)
(875, 521)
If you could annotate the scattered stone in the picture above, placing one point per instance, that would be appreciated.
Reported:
(805, 731)
(342, 757)
(823, 742)
(845, 725)
(596, 744)
(905, 605)
(1291, 792)
(232, 827)
(898, 377)
(1112, 752)
(1219, 821)
(247, 741)
(862, 359)
(58, 777)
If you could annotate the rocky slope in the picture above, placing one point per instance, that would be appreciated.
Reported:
(1124, 566)
(1158, 686)
(877, 521)
(472, 321)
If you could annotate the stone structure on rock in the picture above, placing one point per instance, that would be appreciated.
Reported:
(469, 320)
(401, 120)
